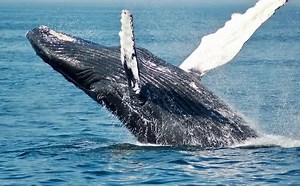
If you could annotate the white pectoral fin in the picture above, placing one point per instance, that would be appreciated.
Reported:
(220, 47)
(128, 52)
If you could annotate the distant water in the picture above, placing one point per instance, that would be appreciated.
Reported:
(53, 134)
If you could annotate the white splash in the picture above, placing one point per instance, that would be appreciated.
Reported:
(271, 140)
(149, 144)
(128, 55)
(220, 47)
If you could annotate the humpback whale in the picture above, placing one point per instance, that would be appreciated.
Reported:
(157, 102)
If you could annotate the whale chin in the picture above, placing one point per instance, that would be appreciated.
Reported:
(172, 107)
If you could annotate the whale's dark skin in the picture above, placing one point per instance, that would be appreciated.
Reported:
(173, 107)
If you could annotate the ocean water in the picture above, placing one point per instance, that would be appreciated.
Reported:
(51, 133)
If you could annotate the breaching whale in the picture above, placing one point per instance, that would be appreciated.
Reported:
(158, 102)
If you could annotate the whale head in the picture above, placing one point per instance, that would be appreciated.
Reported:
(87, 69)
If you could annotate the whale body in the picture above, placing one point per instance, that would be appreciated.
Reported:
(159, 103)
(172, 107)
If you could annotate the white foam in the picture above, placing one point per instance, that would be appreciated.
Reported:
(271, 140)
(220, 47)
(149, 144)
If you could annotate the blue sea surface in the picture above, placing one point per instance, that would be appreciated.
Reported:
(51, 133)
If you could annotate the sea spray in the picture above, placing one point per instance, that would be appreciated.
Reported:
(267, 140)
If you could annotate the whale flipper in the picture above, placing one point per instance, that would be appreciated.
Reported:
(221, 47)
(128, 51)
